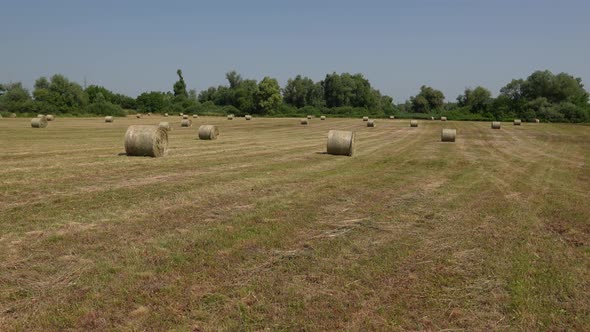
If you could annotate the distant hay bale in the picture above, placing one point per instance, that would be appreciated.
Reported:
(304, 122)
(50, 117)
(138, 116)
(309, 117)
(181, 114)
(40, 115)
(185, 116)
(165, 115)
(195, 116)
(248, 117)
(365, 118)
(391, 117)
(142, 140)
(208, 132)
(371, 124)
(108, 119)
(323, 117)
(149, 114)
(340, 142)
(165, 125)
(496, 124)
(413, 123)
(230, 117)
(537, 121)
(13, 115)
(39, 122)
(448, 135)
(517, 122)
(432, 118)
(186, 123)
(443, 118)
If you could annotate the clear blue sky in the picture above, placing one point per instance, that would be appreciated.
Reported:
(136, 46)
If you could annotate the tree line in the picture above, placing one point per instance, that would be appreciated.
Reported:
(543, 95)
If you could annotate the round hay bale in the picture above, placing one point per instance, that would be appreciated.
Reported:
(108, 119)
(371, 124)
(496, 125)
(165, 125)
(448, 135)
(39, 122)
(340, 142)
(50, 117)
(138, 116)
(413, 123)
(391, 117)
(432, 118)
(208, 132)
(517, 122)
(323, 117)
(365, 118)
(13, 115)
(185, 116)
(230, 117)
(165, 115)
(142, 140)
(443, 118)
(537, 121)
(186, 123)
(181, 114)
(248, 117)
(40, 115)
(309, 117)
(149, 113)
(195, 116)
(304, 122)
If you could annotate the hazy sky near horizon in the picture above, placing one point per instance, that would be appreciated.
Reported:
(135, 46)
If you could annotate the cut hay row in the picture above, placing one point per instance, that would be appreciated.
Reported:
(141, 140)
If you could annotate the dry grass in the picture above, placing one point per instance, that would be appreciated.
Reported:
(261, 229)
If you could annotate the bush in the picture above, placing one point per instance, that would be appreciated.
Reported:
(104, 108)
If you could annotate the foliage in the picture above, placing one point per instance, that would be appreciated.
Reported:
(153, 102)
(101, 106)
(427, 100)
(268, 97)
(59, 95)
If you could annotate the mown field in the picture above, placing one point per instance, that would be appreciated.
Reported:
(261, 229)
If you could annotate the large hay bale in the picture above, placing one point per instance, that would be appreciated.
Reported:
(248, 117)
(40, 115)
(371, 123)
(39, 122)
(365, 118)
(185, 116)
(340, 142)
(165, 125)
(208, 132)
(517, 122)
(13, 115)
(138, 116)
(413, 123)
(443, 118)
(186, 123)
(165, 115)
(230, 117)
(496, 125)
(142, 140)
(309, 117)
(50, 117)
(323, 117)
(304, 122)
(108, 119)
(448, 135)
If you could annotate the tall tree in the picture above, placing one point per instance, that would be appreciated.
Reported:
(180, 86)
(268, 96)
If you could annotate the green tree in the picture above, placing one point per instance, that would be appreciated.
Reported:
(427, 100)
(59, 95)
(477, 100)
(180, 86)
(153, 102)
(268, 96)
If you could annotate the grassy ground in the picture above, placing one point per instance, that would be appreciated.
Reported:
(261, 229)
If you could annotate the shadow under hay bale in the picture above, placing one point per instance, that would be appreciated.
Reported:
(146, 141)
(340, 142)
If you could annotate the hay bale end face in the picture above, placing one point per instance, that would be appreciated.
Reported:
(323, 117)
(165, 125)
(496, 125)
(413, 123)
(50, 117)
(365, 118)
(186, 123)
(208, 132)
(443, 118)
(340, 142)
(39, 122)
(108, 119)
(248, 117)
(371, 124)
(230, 117)
(304, 122)
(448, 135)
(517, 122)
(146, 141)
